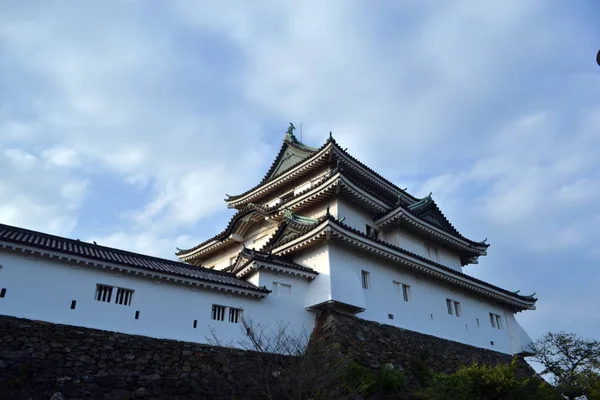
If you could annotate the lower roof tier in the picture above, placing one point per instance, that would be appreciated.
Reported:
(292, 237)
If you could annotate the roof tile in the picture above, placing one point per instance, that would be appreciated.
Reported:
(25, 237)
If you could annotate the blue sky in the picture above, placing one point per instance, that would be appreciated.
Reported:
(127, 122)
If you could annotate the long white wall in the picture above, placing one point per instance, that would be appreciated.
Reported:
(426, 310)
(44, 289)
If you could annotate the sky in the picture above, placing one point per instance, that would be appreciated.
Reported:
(128, 122)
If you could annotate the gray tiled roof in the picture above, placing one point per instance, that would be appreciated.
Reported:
(25, 237)
(256, 255)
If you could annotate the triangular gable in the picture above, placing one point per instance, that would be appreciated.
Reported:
(428, 211)
(291, 227)
(290, 156)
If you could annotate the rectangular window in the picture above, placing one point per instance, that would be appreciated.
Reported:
(432, 252)
(372, 232)
(103, 293)
(218, 313)
(453, 307)
(124, 296)
(108, 294)
(3, 292)
(281, 289)
(402, 290)
(457, 308)
(235, 315)
(496, 321)
(73, 304)
(366, 279)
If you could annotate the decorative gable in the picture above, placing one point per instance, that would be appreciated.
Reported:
(290, 157)
(436, 219)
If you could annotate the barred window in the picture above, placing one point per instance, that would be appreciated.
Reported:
(235, 315)
(104, 293)
(218, 313)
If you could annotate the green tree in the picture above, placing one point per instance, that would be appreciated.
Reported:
(483, 382)
(572, 363)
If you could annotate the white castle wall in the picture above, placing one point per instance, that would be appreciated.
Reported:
(426, 310)
(359, 218)
(43, 289)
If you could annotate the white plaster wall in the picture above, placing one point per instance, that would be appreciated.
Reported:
(355, 216)
(319, 210)
(319, 289)
(43, 289)
(222, 259)
(297, 185)
(277, 308)
(416, 244)
(426, 311)
(519, 338)
(260, 236)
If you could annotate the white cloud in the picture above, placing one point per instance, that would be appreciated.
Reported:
(21, 159)
(62, 156)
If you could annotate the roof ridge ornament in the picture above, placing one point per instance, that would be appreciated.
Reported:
(289, 134)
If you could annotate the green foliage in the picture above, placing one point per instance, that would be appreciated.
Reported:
(421, 371)
(572, 362)
(359, 379)
(482, 382)
(390, 379)
(589, 380)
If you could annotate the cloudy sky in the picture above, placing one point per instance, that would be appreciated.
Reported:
(127, 122)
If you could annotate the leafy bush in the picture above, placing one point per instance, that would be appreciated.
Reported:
(360, 379)
(482, 382)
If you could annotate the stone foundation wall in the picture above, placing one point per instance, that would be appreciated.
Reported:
(47, 361)
(41, 361)
(373, 344)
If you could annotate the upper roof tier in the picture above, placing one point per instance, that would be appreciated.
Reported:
(346, 176)
(295, 160)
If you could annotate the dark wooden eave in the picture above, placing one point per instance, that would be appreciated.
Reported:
(276, 246)
(248, 256)
(338, 156)
(236, 219)
(12, 236)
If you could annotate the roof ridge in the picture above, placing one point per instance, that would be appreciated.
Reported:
(417, 256)
(390, 183)
(248, 209)
(428, 201)
(101, 247)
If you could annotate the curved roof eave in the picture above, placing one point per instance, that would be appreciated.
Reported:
(235, 219)
(526, 301)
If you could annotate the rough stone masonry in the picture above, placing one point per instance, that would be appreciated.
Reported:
(41, 360)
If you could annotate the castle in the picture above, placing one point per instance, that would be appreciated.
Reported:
(320, 230)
